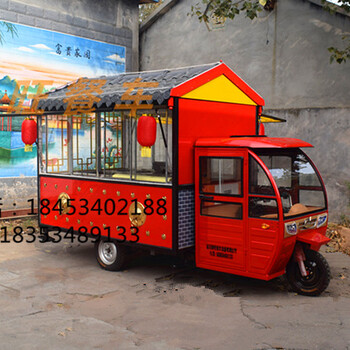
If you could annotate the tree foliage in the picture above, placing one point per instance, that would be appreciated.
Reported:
(231, 8)
(7, 27)
(226, 8)
(146, 9)
(337, 54)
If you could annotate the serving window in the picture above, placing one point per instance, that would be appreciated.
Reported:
(105, 145)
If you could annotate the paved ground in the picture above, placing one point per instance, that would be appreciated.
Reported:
(54, 296)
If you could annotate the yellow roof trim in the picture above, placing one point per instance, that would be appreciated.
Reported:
(264, 118)
(220, 89)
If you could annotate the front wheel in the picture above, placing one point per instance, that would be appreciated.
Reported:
(110, 255)
(318, 274)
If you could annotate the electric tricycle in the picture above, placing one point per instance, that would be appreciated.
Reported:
(175, 161)
(261, 210)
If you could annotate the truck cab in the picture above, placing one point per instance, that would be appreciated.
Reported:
(256, 197)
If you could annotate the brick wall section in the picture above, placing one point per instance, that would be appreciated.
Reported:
(110, 21)
(186, 230)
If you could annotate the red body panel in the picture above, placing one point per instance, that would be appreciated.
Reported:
(156, 230)
(209, 119)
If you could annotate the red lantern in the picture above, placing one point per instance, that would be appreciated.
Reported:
(29, 133)
(146, 131)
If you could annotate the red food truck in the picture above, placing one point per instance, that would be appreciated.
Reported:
(175, 161)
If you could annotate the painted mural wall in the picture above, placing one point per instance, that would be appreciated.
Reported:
(34, 61)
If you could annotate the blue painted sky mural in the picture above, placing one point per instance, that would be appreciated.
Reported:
(41, 55)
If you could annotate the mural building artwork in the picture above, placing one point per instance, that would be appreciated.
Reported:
(35, 61)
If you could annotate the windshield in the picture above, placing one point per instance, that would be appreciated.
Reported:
(299, 185)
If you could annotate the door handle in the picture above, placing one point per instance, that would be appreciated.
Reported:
(201, 196)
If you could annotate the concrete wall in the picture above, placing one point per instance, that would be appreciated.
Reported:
(328, 129)
(283, 55)
(110, 21)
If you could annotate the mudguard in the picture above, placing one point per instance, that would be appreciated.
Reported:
(313, 238)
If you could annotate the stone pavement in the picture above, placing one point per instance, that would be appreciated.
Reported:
(55, 296)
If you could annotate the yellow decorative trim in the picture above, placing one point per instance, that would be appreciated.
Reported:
(220, 89)
(63, 197)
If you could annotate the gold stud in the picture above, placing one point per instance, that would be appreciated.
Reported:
(45, 184)
(148, 233)
(79, 189)
(163, 235)
(91, 223)
(118, 193)
(148, 196)
(104, 225)
(55, 217)
(164, 198)
(45, 216)
(67, 187)
(91, 190)
(164, 217)
(56, 186)
(132, 194)
(78, 221)
(67, 219)
(104, 191)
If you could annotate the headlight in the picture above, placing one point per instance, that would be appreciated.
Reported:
(321, 220)
(292, 228)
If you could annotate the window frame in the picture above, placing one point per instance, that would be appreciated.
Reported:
(164, 131)
(275, 196)
(241, 158)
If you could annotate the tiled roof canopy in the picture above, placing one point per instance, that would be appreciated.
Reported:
(113, 89)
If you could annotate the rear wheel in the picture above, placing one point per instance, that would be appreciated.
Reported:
(110, 255)
(318, 274)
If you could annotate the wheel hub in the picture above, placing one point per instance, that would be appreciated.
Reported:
(107, 252)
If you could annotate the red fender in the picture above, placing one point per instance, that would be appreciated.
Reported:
(313, 238)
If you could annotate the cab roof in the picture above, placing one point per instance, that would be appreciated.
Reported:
(252, 142)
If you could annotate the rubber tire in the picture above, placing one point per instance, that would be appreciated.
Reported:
(114, 263)
(321, 274)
